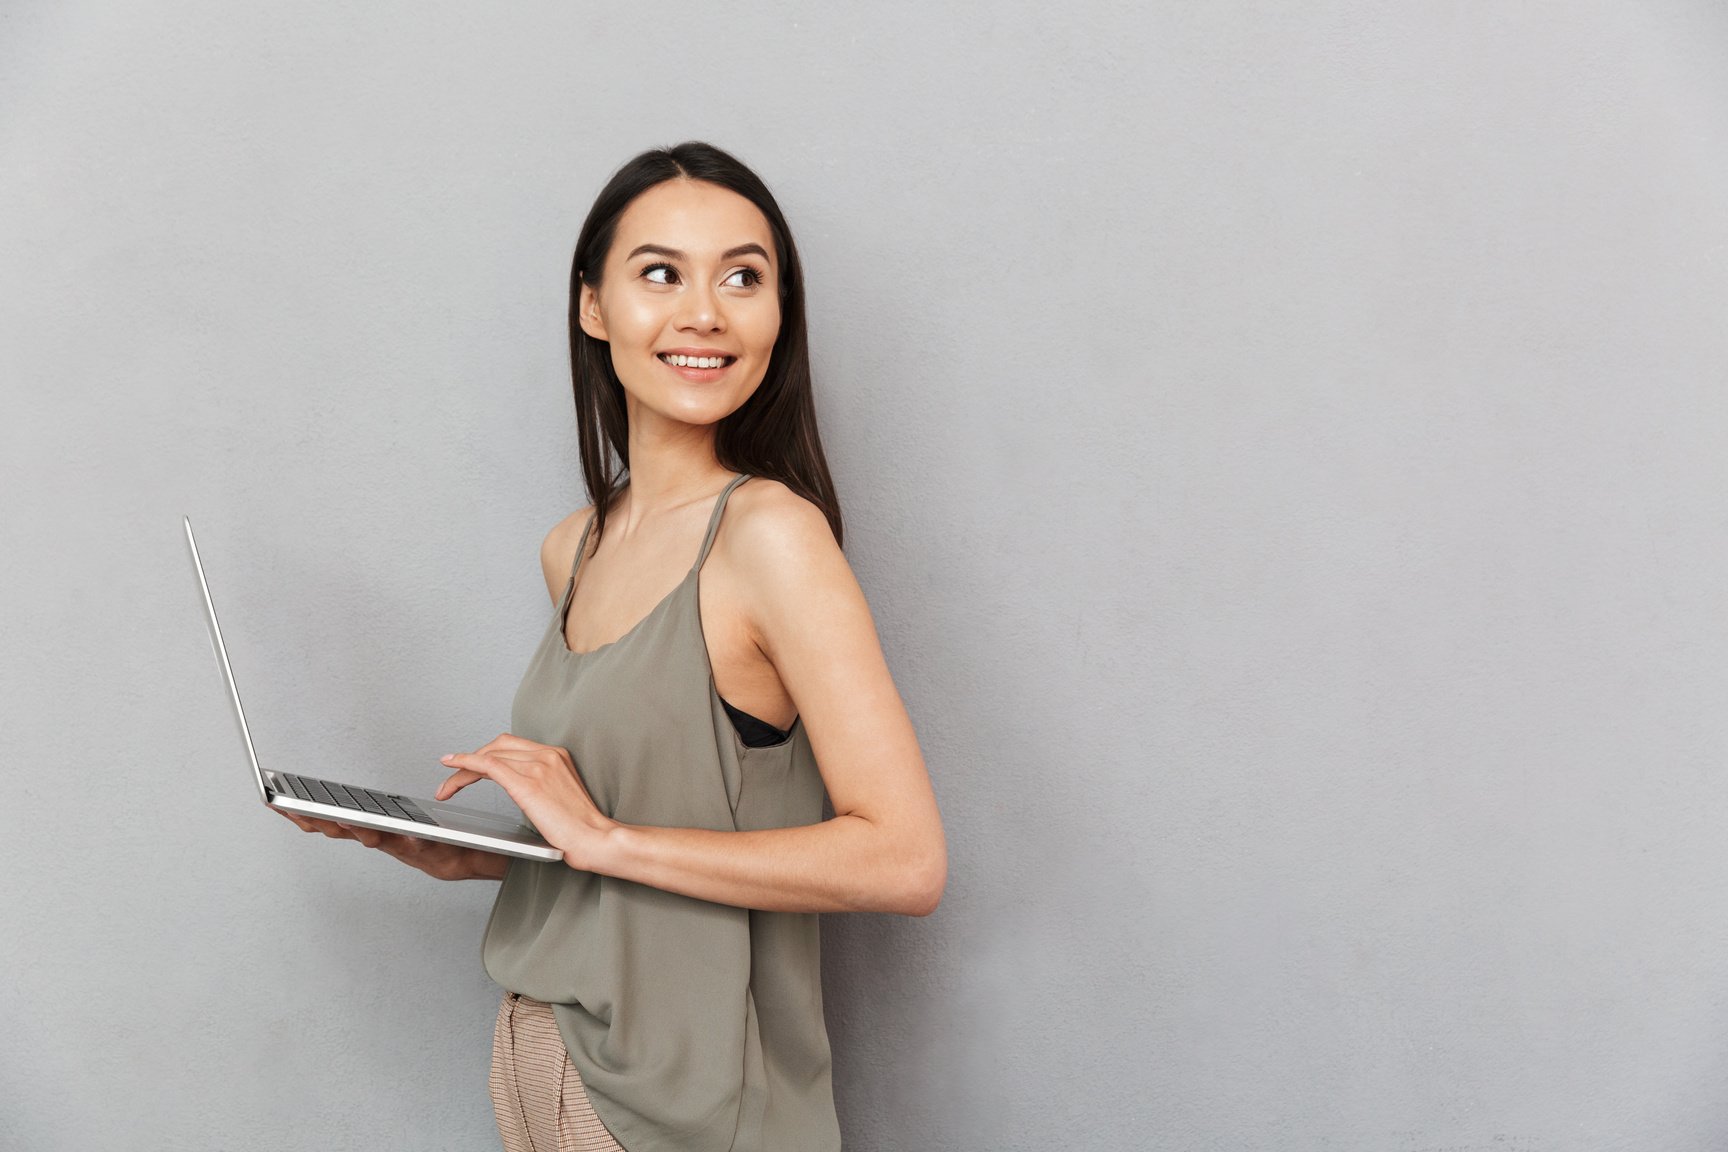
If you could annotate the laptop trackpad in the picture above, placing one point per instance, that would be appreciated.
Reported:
(475, 816)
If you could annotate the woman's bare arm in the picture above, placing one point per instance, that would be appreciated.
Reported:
(883, 850)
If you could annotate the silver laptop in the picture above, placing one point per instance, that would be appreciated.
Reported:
(368, 807)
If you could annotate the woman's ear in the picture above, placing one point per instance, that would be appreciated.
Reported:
(588, 312)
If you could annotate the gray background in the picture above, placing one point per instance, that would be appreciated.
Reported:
(1283, 447)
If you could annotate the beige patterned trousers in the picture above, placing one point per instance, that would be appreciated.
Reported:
(537, 1095)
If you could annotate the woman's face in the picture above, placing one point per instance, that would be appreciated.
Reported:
(689, 301)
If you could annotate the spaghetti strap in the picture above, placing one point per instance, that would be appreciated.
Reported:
(714, 520)
(581, 547)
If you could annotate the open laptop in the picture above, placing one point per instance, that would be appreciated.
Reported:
(368, 807)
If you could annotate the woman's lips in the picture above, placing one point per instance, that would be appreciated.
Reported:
(699, 375)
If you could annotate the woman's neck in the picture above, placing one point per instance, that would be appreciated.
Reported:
(671, 466)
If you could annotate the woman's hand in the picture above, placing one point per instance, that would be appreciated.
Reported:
(543, 782)
(435, 858)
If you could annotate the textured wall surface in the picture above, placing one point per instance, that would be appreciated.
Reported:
(1283, 447)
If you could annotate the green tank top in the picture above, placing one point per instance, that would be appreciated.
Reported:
(696, 1026)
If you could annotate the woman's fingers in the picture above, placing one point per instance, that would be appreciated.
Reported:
(304, 823)
(444, 861)
(370, 837)
(543, 782)
(312, 824)
(336, 830)
(457, 781)
(507, 740)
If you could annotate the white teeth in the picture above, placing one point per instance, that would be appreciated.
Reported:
(693, 361)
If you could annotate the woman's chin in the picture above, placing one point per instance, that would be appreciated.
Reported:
(701, 413)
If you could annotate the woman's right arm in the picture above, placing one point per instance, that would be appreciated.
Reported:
(436, 859)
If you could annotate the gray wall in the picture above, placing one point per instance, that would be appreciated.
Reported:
(1283, 447)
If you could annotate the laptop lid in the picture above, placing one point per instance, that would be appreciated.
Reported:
(221, 654)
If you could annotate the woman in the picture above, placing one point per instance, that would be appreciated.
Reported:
(709, 671)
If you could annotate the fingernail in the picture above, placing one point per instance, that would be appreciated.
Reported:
(448, 756)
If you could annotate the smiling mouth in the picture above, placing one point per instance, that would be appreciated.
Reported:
(695, 361)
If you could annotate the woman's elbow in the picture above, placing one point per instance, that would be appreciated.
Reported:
(924, 881)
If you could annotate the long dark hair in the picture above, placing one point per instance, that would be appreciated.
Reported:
(773, 433)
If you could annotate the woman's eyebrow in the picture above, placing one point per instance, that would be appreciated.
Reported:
(659, 250)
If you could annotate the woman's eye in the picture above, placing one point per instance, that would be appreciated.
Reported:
(666, 274)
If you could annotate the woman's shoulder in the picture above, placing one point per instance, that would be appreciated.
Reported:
(778, 544)
(767, 518)
(792, 584)
(558, 549)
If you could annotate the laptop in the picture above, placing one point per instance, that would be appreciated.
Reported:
(367, 807)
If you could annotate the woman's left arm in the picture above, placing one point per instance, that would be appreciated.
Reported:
(883, 851)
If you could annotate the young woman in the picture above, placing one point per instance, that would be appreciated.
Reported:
(710, 670)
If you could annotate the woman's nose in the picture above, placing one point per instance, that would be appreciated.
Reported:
(702, 309)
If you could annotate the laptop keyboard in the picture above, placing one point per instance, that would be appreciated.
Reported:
(355, 797)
